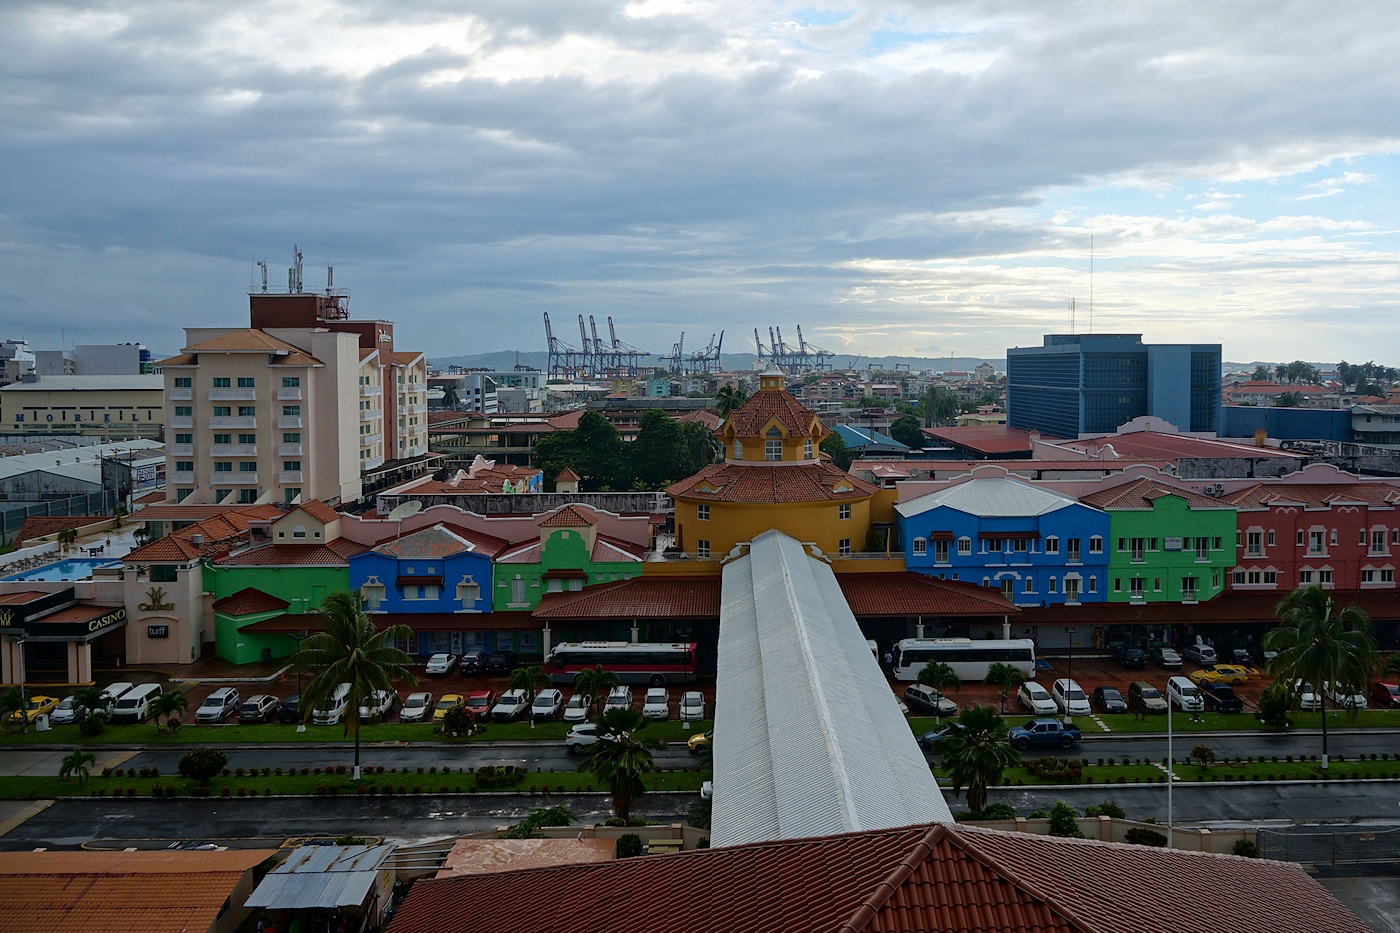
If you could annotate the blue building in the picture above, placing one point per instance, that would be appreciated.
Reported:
(1292, 424)
(437, 580)
(1038, 547)
(1092, 383)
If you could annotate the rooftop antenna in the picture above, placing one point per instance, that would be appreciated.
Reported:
(262, 264)
(294, 273)
(1071, 314)
(330, 279)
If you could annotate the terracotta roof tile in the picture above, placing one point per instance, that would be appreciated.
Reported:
(295, 359)
(871, 595)
(985, 439)
(38, 526)
(250, 601)
(642, 597)
(249, 340)
(1142, 493)
(317, 510)
(180, 359)
(570, 516)
(919, 878)
(290, 555)
(405, 357)
(743, 482)
(1153, 445)
(567, 475)
(1316, 495)
(751, 418)
(436, 542)
(221, 533)
(21, 598)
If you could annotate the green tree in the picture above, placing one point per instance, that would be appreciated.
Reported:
(1288, 400)
(66, 537)
(906, 431)
(701, 446)
(596, 682)
(1263, 373)
(1006, 676)
(939, 406)
(838, 451)
(729, 398)
(1392, 666)
(351, 650)
(169, 705)
(1316, 643)
(1064, 822)
(976, 755)
(449, 396)
(201, 764)
(530, 826)
(621, 757)
(76, 762)
(13, 708)
(594, 450)
(941, 677)
(660, 454)
(529, 679)
(90, 701)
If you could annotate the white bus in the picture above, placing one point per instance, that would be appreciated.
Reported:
(968, 658)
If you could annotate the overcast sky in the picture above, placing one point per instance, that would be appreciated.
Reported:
(917, 178)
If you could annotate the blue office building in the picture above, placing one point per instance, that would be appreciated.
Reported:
(1093, 383)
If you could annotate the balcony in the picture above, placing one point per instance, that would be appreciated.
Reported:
(185, 477)
(233, 395)
(415, 386)
(180, 450)
(182, 421)
(369, 391)
(416, 451)
(234, 479)
(233, 450)
(286, 394)
(180, 395)
(414, 409)
(369, 440)
(289, 477)
(371, 414)
(237, 421)
(289, 450)
(289, 421)
(373, 463)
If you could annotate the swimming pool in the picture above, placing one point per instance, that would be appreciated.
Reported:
(76, 568)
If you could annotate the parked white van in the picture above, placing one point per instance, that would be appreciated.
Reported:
(332, 709)
(135, 704)
(114, 692)
(1185, 695)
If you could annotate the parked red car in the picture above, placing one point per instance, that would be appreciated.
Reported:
(480, 703)
(1384, 695)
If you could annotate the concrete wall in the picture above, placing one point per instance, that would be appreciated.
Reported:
(1108, 829)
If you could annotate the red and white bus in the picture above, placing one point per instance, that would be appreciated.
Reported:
(653, 663)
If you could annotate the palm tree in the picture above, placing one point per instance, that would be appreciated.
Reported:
(620, 757)
(351, 650)
(976, 754)
(1317, 643)
(596, 683)
(66, 537)
(729, 398)
(1008, 676)
(527, 679)
(449, 396)
(940, 676)
(14, 709)
(170, 705)
(77, 762)
(90, 701)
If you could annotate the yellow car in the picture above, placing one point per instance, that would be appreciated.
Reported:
(37, 706)
(701, 741)
(449, 702)
(1233, 674)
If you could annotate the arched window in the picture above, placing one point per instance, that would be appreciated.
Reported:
(1052, 545)
(920, 545)
(964, 545)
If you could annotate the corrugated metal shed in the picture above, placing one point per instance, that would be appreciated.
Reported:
(321, 876)
(990, 497)
(808, 738)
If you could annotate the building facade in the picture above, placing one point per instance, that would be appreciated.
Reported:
(103, 406)
(1091, 383)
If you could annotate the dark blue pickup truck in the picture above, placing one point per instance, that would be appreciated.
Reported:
(1044, 732)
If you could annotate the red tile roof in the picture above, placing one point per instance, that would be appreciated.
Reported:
(221, 533)
(643, 597)
(984, 438)
(250, 601)
(21, 598)
(119, 892)
(436, 542)
(872, 595)
(751, 418)
(39, 526)
(333, 554)
(318, 510)
(919, 878)
(249, 340)
(1142, 493)
(567, 475)
(756, 482)
(1152, 445)
(570, 516)
(1315, 495)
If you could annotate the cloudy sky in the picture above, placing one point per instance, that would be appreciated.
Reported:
(920, 178)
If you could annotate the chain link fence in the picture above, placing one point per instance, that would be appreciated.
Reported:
(1330, 847)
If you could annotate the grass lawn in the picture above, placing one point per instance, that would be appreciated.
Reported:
(455, 780)
(270, 734)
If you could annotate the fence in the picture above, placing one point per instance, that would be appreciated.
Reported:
(1330, 847)
(12, 519)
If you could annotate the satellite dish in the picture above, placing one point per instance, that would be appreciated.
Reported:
(405, 509)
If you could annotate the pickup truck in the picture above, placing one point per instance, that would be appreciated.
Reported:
(1044, 732)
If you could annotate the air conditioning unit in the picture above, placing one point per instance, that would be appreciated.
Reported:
(1215, 490)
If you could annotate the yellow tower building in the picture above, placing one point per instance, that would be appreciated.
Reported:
(772, 477)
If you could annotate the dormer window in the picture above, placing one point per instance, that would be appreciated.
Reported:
(773, 449)
(807, 449)
(738, 449)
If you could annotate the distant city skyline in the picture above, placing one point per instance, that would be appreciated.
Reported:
(897, 180)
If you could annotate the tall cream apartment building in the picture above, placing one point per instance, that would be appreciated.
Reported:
(303, 404)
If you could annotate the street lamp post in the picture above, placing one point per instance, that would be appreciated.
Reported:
(297, 637)
(1069, 630)
(1171, 775)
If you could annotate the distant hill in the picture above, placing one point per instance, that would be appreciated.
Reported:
(506, 360)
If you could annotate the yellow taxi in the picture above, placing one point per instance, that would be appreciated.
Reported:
(1233, 674)
(701, 741)
(38, 705)
(447, 704)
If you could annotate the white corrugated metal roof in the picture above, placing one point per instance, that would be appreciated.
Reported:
(990, 497)
(809, 740)
(88, 458)
(321, 877)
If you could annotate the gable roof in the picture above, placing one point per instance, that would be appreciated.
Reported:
(642, 597)
(757, 482)
(943, 877)
(765, 405)
(990, 497)
(220, 533)
(248, 340)
(335, 553)
(1142, 493)
(570, 516)
(250, 601)
(435, 542)
(318, 510)
(1316, 495)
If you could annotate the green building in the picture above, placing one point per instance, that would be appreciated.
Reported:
(1166, 544)
(569, 555)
